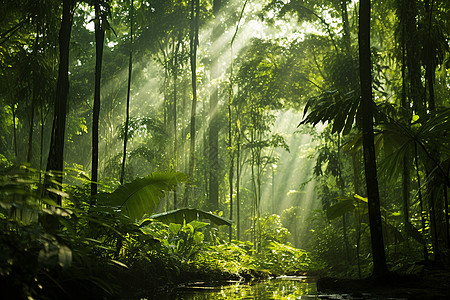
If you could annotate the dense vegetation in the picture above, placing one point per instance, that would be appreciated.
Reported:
(146, 143)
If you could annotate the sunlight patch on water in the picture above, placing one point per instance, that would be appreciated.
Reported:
(283, 288)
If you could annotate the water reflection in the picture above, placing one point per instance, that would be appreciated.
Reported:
(278, 288)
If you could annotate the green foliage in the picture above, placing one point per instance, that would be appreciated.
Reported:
(333, 107)
(188, 215)
(423, 137)
(235, 257)
(45, 244)
(182, 240)
(142, 195)
(345, 205)
(285, 259)
(272, 230)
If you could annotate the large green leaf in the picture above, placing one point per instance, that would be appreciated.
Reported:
(188, 215)
(334, 107)
(142, 195)
(345, 205)
(342, 207)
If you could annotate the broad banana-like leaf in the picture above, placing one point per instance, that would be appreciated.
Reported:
(339, 209)
(142, 195)
(345, 205)
(188, 215)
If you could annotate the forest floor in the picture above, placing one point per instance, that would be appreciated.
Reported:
(432, 282)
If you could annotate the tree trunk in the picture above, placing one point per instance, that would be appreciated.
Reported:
(379, 258)
(13, 110)
(231, 151)
(416, 91)
(213, 149)
(56, 152)
(214, 122)
(175, 91)
(33, 100)
(430, 68)
(447, 227)
(238, 178)
(195, 14)
(422, 209)
(99, 40)
(127, 116)
(346, 26)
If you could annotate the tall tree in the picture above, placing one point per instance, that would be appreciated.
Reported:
(56, 152)
(195, 15)
(213, 135)
(99, 41)
(176, 45)
(366, 107)
(127, 114)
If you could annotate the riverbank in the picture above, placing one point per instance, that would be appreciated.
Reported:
(140, 281)
(430, 282)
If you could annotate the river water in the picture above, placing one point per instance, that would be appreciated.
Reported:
(280, 288)
(285, 287)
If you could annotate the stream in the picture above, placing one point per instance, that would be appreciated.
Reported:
(285, 287)
(280, 288)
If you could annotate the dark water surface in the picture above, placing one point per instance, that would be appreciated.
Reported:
(285, 287)
(280, 288)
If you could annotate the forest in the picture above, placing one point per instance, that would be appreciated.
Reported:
(145, 144)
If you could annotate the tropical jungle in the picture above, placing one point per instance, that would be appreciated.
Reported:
(150, 144)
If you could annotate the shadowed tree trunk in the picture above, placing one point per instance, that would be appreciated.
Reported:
(214, 121)
(379, 258)
(195, 15)
(33, 99)
(127, 117)
(177, 45)
(231, 151)
(99, 40)
(416, 91)
(56, 152)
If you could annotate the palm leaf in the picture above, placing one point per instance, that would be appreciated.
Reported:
(188, 215)
(340, 208)
(345, 205)
(142, 195)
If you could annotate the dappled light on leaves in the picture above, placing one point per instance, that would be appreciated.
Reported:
(146, 145)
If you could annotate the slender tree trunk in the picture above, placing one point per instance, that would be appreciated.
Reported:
(33, 101)
(99, 41)
(379, 258)
(127, 116)
(30, 133)
(346, 26)
(430, 69)
(422, 211)
(195, 14)
(447, 227)
(214, 151)
(416, 91)
(405, 188)
(238, 186)
(230, 144)
(13, 110)
(341, 185)
(406, 178)
(436, 209)
(56, 152)
(214, 122)
(175, 117)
